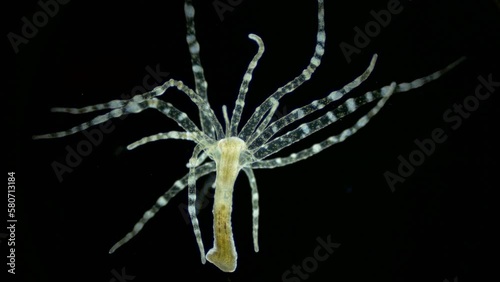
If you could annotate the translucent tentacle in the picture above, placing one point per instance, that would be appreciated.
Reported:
(310, 108)
(255, 207)
(316, 148)
(330, 117)
(240, 101)
(208, 120)
(192, 201)
(156, 92)
(162, 201)
(133, 107)
(306, 74)
(264, 123)
(163, 136)
(348, 107)
(407, 86)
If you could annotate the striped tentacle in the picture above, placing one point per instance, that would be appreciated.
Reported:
(240, 101)
(201, 158)
(132, 108)
(407, 86)
(226, 119)
(192, 201)
(348, 107)
(264, 123)
(116, 104)
(157, 91)
(315, 105)
(255, 207)
(306, 74)
(162, 201)
(316, 148)
(163, 136)
(209, 122)
(306, 129)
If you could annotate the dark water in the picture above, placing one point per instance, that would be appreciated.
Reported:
(431, 222)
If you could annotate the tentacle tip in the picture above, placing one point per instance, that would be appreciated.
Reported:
(114, 248)
(459, 60)
(255, 38)
(41, 136)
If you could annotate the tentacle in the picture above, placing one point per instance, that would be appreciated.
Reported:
(201, 158)
(316, 148)
(264, 123)
(141, 98)
(240, 101)
(192, 201)
(407, 86)
(162, 201)
(306, 74)
(194, 50)
(131, 108)
(163, 136)
(226, 120)
(208, 120)
(255, 207)
(116, 104)
(306, 129)
(310, 108)
(348, 107)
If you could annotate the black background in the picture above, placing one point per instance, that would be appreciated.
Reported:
(437, 225)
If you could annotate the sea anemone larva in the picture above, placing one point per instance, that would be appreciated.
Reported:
(227, 150)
